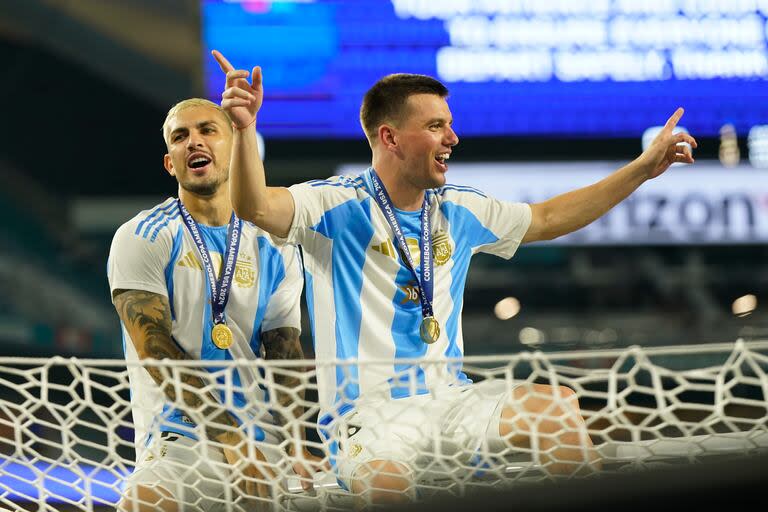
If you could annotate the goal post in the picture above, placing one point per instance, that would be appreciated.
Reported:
(68, 437)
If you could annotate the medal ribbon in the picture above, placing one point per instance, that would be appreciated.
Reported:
(219, 289)
(425, 284)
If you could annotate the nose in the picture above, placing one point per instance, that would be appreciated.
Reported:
(195, 139)
(451, 138)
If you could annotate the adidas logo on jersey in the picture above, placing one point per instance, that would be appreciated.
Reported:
(441, 249)
(189, 260)
(388, 249)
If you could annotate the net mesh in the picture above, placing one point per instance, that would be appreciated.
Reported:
(67, 438)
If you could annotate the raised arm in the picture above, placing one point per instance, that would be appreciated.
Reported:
(573, 210)
(270, 208)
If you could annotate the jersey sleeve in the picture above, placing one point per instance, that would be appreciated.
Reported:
(283, 308)
(312, 200)
(137, 262)
(497, 227)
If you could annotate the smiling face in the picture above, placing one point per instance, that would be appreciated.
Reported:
(199, 140)
(424, 139)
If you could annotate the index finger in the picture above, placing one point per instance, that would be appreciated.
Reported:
(672, 121)
(223, 62)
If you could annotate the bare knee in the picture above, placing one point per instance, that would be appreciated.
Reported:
(540, 407)
(546, 392)
(548, 419)
(147, 499)
(543, 398)
(568, 396)
(382, 482)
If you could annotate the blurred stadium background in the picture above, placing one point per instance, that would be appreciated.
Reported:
(545, 95)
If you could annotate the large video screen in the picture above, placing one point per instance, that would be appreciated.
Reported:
(560, 68)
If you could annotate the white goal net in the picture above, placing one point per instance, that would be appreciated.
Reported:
(68, 439)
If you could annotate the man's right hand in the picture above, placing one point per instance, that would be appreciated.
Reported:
(271, 209)
(251, 468)
(240, 99)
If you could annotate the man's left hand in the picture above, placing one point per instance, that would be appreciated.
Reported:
(305, 465)
(668, 148)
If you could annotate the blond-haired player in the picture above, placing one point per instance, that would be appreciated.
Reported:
(191, 281)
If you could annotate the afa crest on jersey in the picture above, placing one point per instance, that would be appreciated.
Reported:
(441, 248)
(245, 276)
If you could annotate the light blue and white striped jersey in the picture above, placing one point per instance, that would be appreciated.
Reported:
(155, 252)
(361, 296)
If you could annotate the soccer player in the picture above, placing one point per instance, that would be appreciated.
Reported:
(373, 295)
(191, 281)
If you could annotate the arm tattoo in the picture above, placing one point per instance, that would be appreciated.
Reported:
(147, 317)
(283, 343)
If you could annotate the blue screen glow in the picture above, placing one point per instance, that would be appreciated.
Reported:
(590, 68)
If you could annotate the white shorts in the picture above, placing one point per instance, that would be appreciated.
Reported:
(198, 477)
(453, 423)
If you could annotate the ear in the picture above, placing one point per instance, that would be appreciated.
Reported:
(168, 164)
(387, 137)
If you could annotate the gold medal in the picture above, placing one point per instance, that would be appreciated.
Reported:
(429, 330)
(222, 336)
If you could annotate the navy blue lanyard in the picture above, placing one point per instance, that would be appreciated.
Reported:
(425, 284)
(219, 289)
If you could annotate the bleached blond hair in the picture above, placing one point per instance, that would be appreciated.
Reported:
(188, 103)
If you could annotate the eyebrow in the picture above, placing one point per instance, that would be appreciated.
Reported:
(177, 131)
(438, 120)
(184, 129)
(203, 124)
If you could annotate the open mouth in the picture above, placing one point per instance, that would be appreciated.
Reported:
(442, 159)
(198, 162)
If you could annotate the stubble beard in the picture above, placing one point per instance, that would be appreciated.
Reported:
(206, 188)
